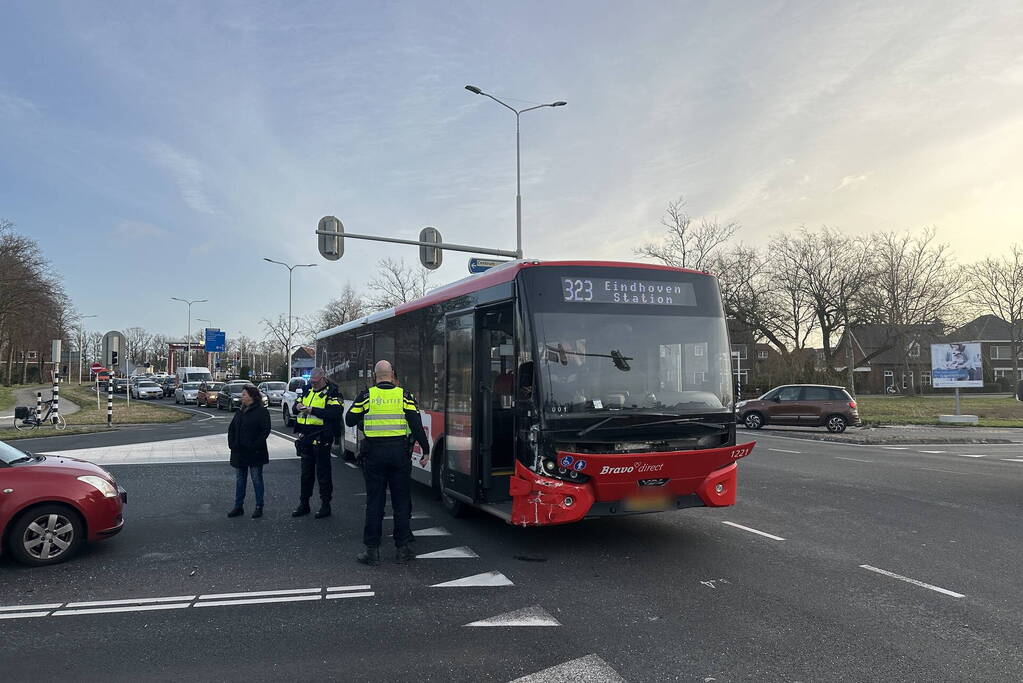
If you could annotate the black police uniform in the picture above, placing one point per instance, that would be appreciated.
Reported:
(387, 464)
(314, 444)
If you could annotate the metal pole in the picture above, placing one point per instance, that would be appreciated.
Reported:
(188, 339)
(39, 405)
(518, 191)
(291, 271)
(55, 398)
(957, 402)
(110, 400)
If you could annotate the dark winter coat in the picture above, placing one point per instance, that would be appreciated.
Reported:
(246, 436)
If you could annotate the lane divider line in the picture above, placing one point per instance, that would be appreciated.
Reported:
(112, 610)
(23, 615)
(754, 531)
(364, 594)
(1013, 459)
(838, 457)
(259, 594)
(971, 455)
(140, 601)
(284, 436)
(22, 608)
(936, 452)
(259, 601)
(334, 589)
(900, 577)
(782, 450)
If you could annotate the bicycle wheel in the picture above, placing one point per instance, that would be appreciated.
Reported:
(25, 425)
(60, 423)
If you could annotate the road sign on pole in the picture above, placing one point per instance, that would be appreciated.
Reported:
(331, 247)
(479, 265)
(430, 257)
(216, 340)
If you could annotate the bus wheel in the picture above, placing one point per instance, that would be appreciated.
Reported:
(455, 507)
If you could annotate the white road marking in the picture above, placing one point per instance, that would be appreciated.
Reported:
(1013, 459)
(900, 577)
(139, 601)
(590, 668)
(484, 579)
(754, 531)
(782, 450)
(23, 615)
(432, 531)
(283, 436)
(260, 601)
(969, 474)
(895, 448)
(415, 515)
(336, 596)
(838, 457)
(971, 455)
(449, 553)
(259, 594)
(20, 608)
(527, 616)
(209, 448)
(352, 465)
(933, 452)
(334, 589)
(112, 610)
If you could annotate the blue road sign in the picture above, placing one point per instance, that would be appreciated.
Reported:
(479, 265)
(216, 341)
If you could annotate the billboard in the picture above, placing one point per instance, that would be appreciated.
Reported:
(956, 365)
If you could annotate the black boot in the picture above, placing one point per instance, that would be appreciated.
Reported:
(236, 512)
(370, 556)
(258, 512)
(302, 510)
(324, 511)
(405, 553)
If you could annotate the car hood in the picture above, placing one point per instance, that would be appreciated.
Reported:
(59, 464)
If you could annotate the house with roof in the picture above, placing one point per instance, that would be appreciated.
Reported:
(880, 355)
(998, 340)
(303, 360)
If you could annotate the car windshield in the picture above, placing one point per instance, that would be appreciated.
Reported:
(274, 386)
(10, 455)
(190, 386)
(215, 386)
(197, 376)
(236, 388)
(590, 362)
(147, 384)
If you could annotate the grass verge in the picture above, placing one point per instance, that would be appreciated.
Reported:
(917, 410)
(6, 400)
(140, 412)
(47, 431)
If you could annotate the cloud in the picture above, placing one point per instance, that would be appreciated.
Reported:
(187, 175)
(850, 180)
(140, 230)
(14, 107)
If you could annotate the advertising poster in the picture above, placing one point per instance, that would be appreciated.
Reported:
(956, 365)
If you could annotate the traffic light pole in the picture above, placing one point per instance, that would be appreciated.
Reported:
(420, 243)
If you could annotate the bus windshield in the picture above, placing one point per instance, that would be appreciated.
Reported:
(615, 361)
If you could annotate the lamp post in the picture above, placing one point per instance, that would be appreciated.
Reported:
(209, 324)
(291, 271)
(188, 339)
(518, 158)
(81, 348)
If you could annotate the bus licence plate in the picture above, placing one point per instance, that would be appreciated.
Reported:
(647, 503)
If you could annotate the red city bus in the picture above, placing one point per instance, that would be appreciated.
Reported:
(557, 390)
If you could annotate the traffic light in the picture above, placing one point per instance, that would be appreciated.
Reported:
(113, 358)
(331, 247)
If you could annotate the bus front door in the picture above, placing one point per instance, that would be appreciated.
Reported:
(458, 466)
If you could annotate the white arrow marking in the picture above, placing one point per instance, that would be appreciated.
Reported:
(449, 553)
(590, 668)
(432, 531)
(527, 616)
(484, 579)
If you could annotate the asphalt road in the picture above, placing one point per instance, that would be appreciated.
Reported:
(898, 564)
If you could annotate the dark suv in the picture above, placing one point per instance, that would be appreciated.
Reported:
(803, 405)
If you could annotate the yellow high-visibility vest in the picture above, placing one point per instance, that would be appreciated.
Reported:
(315, 399)
(385, 413)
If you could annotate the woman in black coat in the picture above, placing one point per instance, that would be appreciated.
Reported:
(246, 437)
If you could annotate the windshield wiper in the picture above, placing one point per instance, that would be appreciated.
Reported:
(619, 359)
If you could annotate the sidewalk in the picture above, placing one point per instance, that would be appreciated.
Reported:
(898, 434)
(26, 396)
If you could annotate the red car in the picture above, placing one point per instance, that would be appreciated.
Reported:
(50, 505)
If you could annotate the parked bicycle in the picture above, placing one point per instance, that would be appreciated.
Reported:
(25, 418)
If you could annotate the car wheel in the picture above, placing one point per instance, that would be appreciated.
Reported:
(836, 424)
(753, 421)
(45, 535)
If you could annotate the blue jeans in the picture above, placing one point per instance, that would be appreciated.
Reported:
(241, 476)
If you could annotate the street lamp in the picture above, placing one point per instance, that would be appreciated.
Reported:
(209, 323)
(518, 165)
(81, 347)
(188, 339)
(291, 271)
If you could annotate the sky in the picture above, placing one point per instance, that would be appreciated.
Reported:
(162, 149)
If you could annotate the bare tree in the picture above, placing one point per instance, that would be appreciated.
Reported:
(340, 310)
(396, 283)
(915, 290)
(687, 244)
(139, 344)
(748, 293)
(793, 307)
(996, 287)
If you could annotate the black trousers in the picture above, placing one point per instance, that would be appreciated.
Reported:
(386, 464)
(316, 466)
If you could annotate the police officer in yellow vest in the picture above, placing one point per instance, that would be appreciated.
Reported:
(319, 413)
(387, 415)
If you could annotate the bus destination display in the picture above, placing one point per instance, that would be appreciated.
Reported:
(601, 290)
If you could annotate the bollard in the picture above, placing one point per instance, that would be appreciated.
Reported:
(109, 402)
(55, 398)
(39, 406)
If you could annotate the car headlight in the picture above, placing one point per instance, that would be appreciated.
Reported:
(100, 484)
(740, 404)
